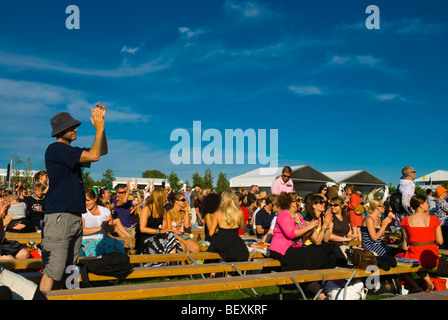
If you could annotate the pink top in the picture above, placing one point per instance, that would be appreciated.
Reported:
(284, 233)
(279, 186)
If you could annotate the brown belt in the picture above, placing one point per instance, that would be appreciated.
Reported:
(418, 244)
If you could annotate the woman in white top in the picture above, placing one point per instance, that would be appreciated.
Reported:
(19, 222)
(97, 223)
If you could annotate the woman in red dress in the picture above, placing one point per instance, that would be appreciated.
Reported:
(355, 220)
(423, 236)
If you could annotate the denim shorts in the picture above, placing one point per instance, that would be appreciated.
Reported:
(61, 242)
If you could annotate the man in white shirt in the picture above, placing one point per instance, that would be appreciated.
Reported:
(406, 187)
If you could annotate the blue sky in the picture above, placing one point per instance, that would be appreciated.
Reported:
(341, 96)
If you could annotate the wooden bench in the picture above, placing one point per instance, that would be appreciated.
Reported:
(28, 235)
(164, 289)
(22, 264)
(24, 238)
(179, 270)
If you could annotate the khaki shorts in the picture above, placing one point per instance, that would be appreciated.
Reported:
(61, 243)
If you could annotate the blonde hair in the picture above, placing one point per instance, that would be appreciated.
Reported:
(230, 208)
(157, 198)
(373, 204)
(12, 197)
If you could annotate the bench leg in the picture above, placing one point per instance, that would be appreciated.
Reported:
(240, 273)
(194, 262)
(294, 281)
(252, 256)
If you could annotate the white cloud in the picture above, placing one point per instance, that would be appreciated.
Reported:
(395, 97)
(387, 97)
(189, 34)
(417, 26)
(414, 26)
(249, 9)
(339, 60)
(306, 90)
(362, 60)
(130, 50)
(30, 102)
(368, 60)
(36, 63)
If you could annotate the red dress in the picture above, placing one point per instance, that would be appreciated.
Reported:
(355, 220)
(427, 255)
(246, 218)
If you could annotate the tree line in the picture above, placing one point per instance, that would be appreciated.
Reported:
(205, 181)
(22, 170)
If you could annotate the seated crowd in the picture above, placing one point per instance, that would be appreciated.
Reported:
(310, 232)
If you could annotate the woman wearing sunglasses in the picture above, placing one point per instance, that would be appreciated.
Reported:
(155, 235)
(373, 228)
(315, 210)
(287, 246)
(178, 221)
(340, 231)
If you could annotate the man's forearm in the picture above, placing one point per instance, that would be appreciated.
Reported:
(97, 143)
(104, 148)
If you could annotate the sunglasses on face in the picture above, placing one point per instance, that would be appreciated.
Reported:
(183, 200)
(320, 202)
(334, 205)
(121, 192)
(285, 176)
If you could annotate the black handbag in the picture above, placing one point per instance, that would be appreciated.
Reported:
(113, 264)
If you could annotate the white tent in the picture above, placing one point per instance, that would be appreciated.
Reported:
(433, 179)
(305, 178)
(142, 183)
(360, 178)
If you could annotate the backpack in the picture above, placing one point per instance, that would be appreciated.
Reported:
(114, 264)
(389, 285)
(395, 203)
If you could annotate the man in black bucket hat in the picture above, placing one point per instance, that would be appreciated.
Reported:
(66, 202)
(61, 122)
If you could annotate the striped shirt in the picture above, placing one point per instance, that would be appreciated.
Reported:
(375, 246)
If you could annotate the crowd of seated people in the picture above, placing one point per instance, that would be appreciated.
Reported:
(303, 231)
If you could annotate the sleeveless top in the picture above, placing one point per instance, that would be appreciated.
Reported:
(375, 246)
(341, 228)
(428, 255)
(154, 223)
(229, 245)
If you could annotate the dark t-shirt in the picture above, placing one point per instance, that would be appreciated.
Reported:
(124, 213)
(35, 208)
(264, 219)
(66, 187)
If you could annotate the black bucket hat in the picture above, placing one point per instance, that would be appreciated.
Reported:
(62, 121)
